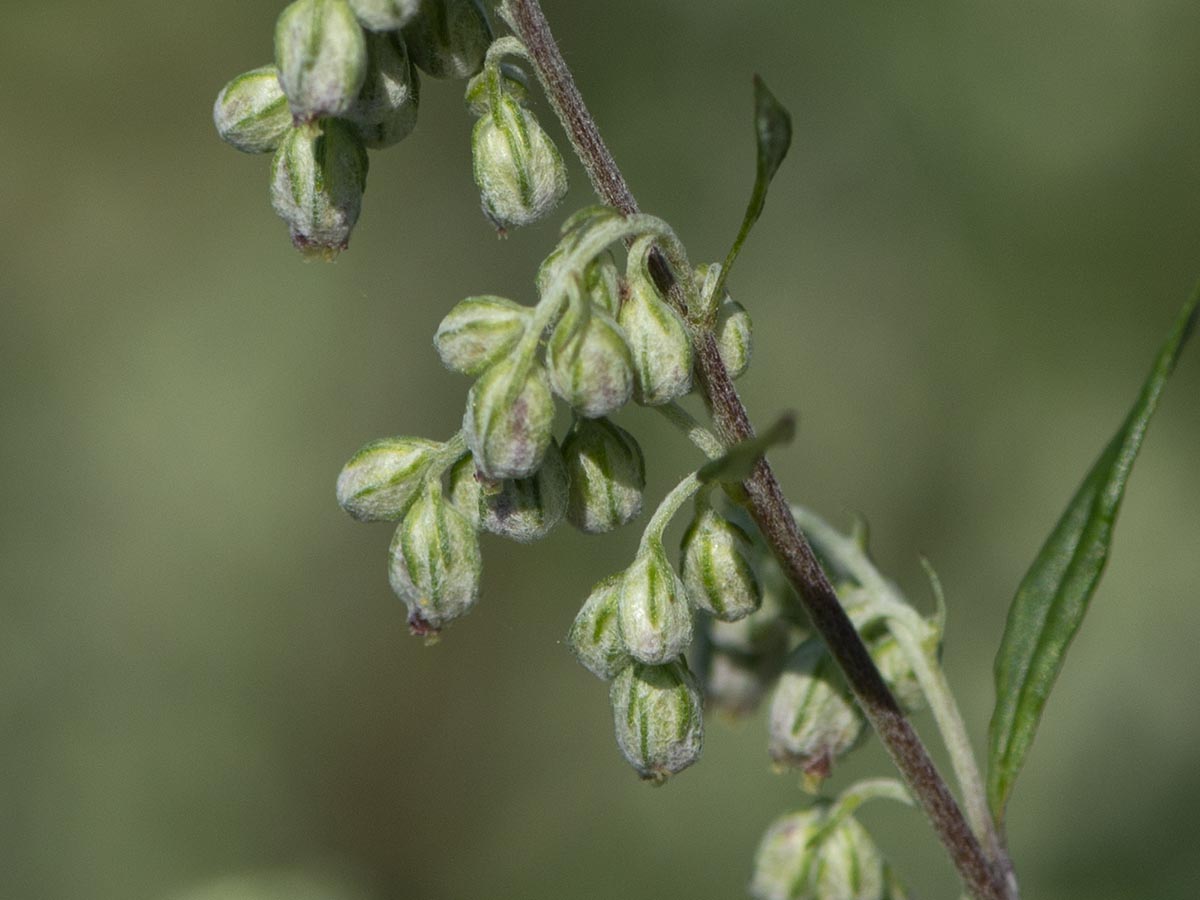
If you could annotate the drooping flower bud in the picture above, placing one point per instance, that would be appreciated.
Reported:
(523, 510)
(655, 620)
(449, 38)
(381, 480)
(384, 15)
(509, 415)
(898, 672)
(595, 636)
(814, 720)
(435, 562)
(513, 82)
(658, 719)
(386, 109)
(607, 475)
(800, 858)
(589, 361)
(657, 335)
(319, 175)
(734, 337)
(251, 112)
(321, 55)
(520, 174)
(479, 331)
(716, 566)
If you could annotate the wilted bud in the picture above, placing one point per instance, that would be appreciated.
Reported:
(319, 175)
(800, 859)
(251, 112)
(595, 636)
(509, 416)
(734, 337)
(589, 361)
(435, 562)
(386, 109)
(449, 38)
(384, 15)
(520, 174)
(657, 718)
(321, 55)
(524, 509)
(513, 82)
(716, 566)
(607, 475)
(658, 337)
(479, 331)
(814, 720)
(382, 478)
(655, 620)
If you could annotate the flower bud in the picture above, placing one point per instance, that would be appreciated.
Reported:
(381, 480)
(513, 82)
(735, 684)
(716, 566)
(734, 337)
(602, 280)
(595, 637)
(589, 361)
(657, 718)
(520, 174)
(898, 672)
(319, 175)
(384, 15)
(322, 57)
(449, 38)
(800, 858)
(435, 563)
(814, 720)
(658, 337)
(478, 332)
(386, 109)
(509, 416)
(523, 510)
(607, 475)
(251, 112)
(655, 620)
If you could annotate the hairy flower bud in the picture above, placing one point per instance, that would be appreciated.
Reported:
(251, 112)
(658, 337)
(386, 109)
(716, 566)
(435, 562)
(601, 278)
(657, 717)
(319, 175)
(381, 480)
(607, 475)
(449, 38)
(898, 672)
(595, 636)
(523, 510)
(385, 15)
(655, 620)
(800, 858)
(321, 55)
(814, 720)
(589, 361)
(520, 174)
(509, 416)
(479, 331)
(734, 337)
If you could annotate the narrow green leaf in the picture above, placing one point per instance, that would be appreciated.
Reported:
(1053, 597)
(738, 461)
(773, 131)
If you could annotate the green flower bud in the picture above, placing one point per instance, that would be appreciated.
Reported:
(716, 566)
(814, 720)
(251, 112)
(896, 670)
(520, 174)
(799, 858)
(509, 416)
(319, 175)
(595, 637)
(513, 82)
(435, 563)
(607, 475)
(589, 361)
(381, 480)
(523, 510)
(384, 15)
(449, 38)
(734, 337)
(321, 55)
(602, 280)
(479, 331)
(655, 620)
(386, 109)
(657, 718)
(658, 337)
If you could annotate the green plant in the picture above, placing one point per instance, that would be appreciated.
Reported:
(750, 598)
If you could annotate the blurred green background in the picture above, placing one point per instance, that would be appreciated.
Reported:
(989, 218)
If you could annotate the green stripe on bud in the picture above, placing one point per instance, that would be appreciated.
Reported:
(658, 337)
(479, 331)
(449, 38)
(435, 562)
(382, 479)
(595, 637)
(523, 510)
(513, 83)
(589, 361)
(321, 55)
(519, 171)
(607, 475)
(386, 109)
(601, 278)
(251, 112)
(319, 175)
(655, 619)
(385, 15)
(510, 412)
(716, 566)
(801, 858)
(657, 718)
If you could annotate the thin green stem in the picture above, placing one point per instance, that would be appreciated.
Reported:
(710, 445)
(670, 505)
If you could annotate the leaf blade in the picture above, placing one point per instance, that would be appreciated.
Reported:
(738, 461)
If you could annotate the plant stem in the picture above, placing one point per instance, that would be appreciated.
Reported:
(766, 501)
